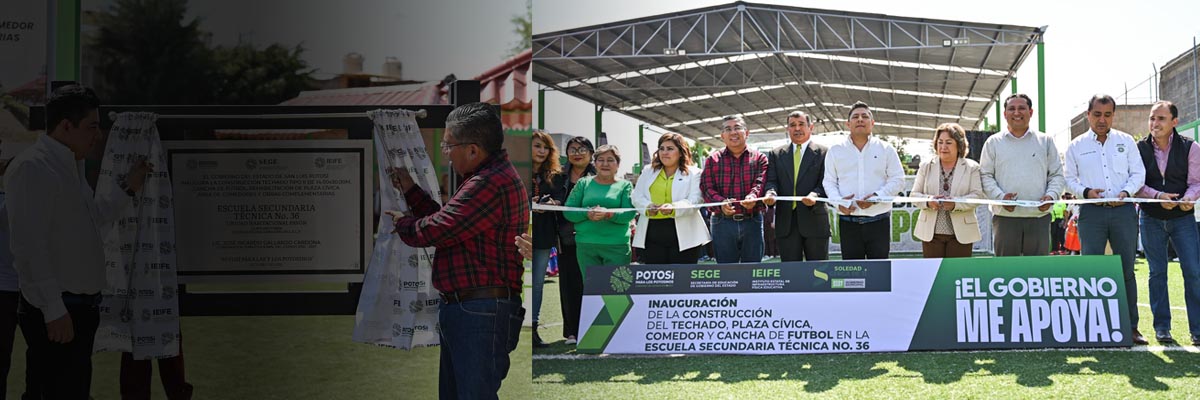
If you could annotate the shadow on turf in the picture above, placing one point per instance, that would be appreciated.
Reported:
(824, 372)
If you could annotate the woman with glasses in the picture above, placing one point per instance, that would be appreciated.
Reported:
(670, 231)
(948, 228)
(602, 235)
(548, 188)
(570, 280)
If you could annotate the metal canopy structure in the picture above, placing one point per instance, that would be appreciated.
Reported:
(683, 71)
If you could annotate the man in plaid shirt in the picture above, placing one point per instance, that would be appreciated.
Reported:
(733, 176)
(477, 267)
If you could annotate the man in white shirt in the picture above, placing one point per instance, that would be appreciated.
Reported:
(9, 297)
(859, 169)
(56, 244)
(1105, 163)
(1021, 164)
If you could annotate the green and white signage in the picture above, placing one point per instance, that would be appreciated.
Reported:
(856, 306)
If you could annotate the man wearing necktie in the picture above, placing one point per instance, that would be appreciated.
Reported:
(797, 169)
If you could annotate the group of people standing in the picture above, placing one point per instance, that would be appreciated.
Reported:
(1018, 163)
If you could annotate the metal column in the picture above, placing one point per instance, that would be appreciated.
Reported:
(541, 108)
(1041, 87)
(637, 167)
(998, 115)
(63, 46)
(599, 125)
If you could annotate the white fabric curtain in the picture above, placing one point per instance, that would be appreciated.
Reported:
(398, 305)
(140, 309)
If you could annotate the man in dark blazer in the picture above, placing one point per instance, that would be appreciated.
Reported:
(801, 228)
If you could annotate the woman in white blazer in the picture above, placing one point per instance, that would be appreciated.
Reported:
(948, 228)
(669, 231)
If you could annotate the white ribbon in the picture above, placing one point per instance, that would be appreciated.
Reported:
(891, 199)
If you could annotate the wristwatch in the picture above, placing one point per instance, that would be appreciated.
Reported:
(125, 187)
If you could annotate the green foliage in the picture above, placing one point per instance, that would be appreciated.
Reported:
(145, 52)
(251, 76)
(523, 27)
(905, 158)
(699, 153)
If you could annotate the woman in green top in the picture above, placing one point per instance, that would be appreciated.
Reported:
(602, 236)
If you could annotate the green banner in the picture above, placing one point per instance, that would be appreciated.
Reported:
(1009, 303)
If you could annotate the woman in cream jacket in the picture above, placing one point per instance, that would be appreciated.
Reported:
(669, 231)
(948, 228)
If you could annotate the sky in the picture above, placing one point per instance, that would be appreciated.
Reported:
(1091, 47)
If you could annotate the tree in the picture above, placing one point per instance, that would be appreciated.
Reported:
(144, 52)
(900, 144)
(523, 27)
(700, 152)
(246, 75)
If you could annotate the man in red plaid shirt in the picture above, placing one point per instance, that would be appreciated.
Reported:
(477, 267)
(733, 176)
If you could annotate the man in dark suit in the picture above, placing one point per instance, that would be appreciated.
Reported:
(797, 169)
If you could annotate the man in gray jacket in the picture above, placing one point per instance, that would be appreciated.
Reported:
(1021, 164)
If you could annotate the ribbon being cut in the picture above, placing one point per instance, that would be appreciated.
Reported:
(899, 199)
(139, 312)
(398, 306)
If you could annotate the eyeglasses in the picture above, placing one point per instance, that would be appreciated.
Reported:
(735, 128)
(447, 146)
(575, 151)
